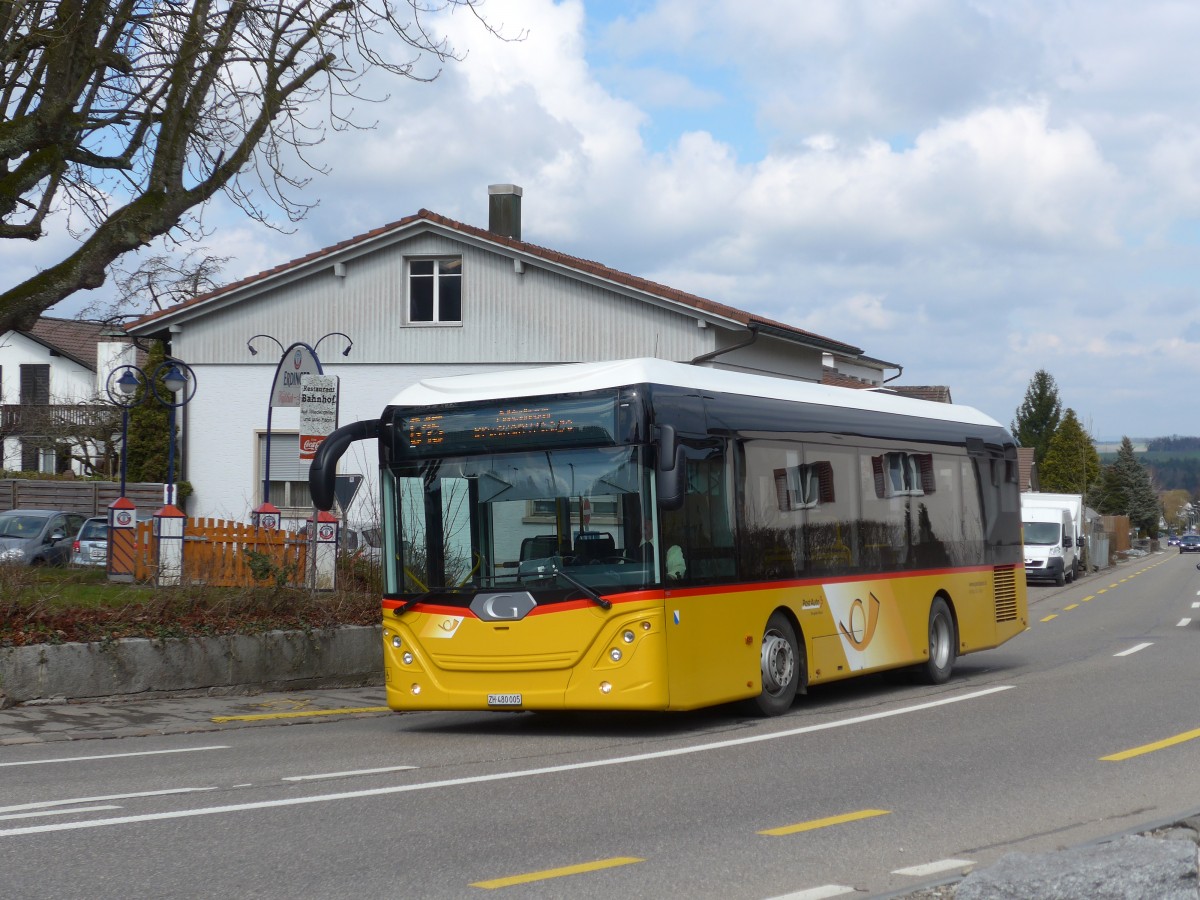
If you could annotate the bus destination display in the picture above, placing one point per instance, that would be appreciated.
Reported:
(555, 423)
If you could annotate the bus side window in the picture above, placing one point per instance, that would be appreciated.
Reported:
(702, 527)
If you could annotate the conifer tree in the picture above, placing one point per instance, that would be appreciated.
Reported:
(1126, 490)
(1072, 465)
(148, 425)
(1038, 415)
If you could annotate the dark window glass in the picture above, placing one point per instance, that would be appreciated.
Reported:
(420, 300)
(450, 298)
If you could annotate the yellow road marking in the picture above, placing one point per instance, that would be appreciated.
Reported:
(1102, 591)
(1072, 606)
(825, 823)
(558, 873)
(1051, 616)
(1150, 748)
(1087, 598)
(258, 717)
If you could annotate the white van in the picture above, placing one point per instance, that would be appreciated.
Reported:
(1051, 551)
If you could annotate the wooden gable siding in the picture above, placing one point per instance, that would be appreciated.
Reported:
(508, 318)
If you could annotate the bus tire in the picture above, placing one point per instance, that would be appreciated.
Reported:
(781, 663)
(943, 641)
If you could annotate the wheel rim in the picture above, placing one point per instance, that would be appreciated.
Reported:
(778, 662)
(939, 641)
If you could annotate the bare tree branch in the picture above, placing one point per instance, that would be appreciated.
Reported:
(126, 114)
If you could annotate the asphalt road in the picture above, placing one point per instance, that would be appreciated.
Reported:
(1081, 728)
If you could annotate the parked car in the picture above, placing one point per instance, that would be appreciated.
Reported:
(90, 547)
(1189, 543)
(38, 537)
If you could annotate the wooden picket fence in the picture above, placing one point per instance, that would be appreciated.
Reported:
(216, 552)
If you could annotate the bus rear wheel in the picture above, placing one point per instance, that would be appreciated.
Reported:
(781, 663)
(943, 639)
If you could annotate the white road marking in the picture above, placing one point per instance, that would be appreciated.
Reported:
(346, 774)
(1134, 649)
(1183, 623)
(933, 868)
(44, 804)
(818, 893)
(58, 812)
(1196, 606)
(507, 776)
(75, 759)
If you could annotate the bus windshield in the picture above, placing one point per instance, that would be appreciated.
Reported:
(510, 520)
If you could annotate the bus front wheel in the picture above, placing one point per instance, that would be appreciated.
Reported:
(942, 642)
(781, 663)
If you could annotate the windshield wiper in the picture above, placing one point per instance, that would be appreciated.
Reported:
(413, 601)
(592, 595)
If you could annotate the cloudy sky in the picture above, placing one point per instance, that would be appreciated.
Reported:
(973, 190)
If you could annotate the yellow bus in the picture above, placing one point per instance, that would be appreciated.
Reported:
(650, 535)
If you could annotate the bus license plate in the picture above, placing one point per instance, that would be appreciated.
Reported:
(504, 699)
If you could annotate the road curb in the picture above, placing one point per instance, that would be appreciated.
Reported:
(274, 660)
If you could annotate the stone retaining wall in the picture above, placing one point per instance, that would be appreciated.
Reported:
(276, 660)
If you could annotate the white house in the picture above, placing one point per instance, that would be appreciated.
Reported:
(49, 375)
(426, 296)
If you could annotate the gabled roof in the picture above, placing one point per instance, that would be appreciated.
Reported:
(938, 393)
(72, 338)
(426, 220)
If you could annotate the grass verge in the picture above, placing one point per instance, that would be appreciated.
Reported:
(49, 605)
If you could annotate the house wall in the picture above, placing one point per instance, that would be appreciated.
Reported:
(70, 382)
(534, 318)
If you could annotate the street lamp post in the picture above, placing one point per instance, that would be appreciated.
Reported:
(123, 391)
(128, 386)
(177, 377)
(125, 388)
(178, 381)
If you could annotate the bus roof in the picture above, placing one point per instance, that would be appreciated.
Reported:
(571, 378)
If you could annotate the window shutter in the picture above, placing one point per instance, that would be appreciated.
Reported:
(781, 490)
(925, 463)
(285, 457)
(877, 468)
(824, 472)
(35, 385)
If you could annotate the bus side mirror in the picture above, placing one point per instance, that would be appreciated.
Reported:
(669, 469)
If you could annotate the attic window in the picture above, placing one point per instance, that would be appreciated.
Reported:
(435, 291)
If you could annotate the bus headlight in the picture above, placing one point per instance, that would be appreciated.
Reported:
(615, 653)
(627, 637)
(605, 687)
(396, 640)
(408, 658)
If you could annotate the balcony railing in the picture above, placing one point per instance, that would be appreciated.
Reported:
(20, 419)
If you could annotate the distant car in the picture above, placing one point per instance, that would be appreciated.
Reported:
(90, 547)
(1189, 543)
(1172, 540)
(38, 537)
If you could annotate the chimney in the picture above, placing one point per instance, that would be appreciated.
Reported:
(504, 210)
